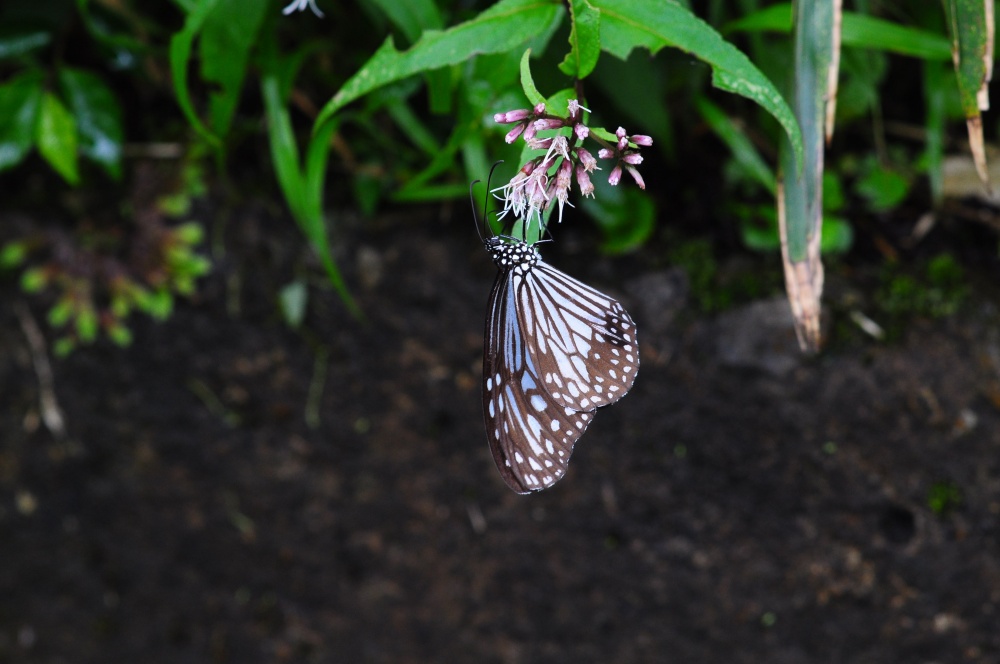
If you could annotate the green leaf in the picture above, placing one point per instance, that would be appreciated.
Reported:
(20, 100)
(86, 325)
(412, 17)
(13, 254)
(33, 280)
(190, 233)
(412, 126)
(226, 40)
(584, 40)
(837, 235)
(884, 189)
(759, 227)
(503, 27)
(528, 82)
(870, 32)
(63, 346)
(804, 189)
(625, 215)
(969, 35)
(61, 312)
(934, 127)
(180, 54)
(303, 190)
(746, 155)
(857, 30)
(626, 24)
(970, 24)
(801, 207)
(16, 43)
(56, 137)
(635, 90)
(159, 304)
(98, 118)
(119, 334)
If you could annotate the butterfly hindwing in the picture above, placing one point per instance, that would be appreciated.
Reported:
(584, 342)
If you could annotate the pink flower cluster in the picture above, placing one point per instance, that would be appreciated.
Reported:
(533, 189)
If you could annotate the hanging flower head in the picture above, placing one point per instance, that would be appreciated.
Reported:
(550, 177)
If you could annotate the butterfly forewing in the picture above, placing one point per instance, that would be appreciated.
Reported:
(584, 341)
(531, 436)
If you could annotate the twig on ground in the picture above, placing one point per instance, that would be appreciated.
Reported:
(51, 413)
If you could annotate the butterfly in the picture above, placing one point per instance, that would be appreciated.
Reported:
(555, 351)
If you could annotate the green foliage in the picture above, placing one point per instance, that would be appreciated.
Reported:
(759, 223)
(937, 291)
(89, 299)
(625, 216)
(79, 117)
(713, 288)
(944, 497)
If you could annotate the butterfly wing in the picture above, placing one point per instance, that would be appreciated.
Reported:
(531, 435)
(582, 342)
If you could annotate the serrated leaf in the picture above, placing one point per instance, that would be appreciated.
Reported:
(626, 24)
(503, 27)
(98, 118)
(20, 101)
(584, 40)
(56, 137)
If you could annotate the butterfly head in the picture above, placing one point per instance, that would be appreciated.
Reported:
(509, 255)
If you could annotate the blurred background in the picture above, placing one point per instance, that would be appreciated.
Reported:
(241, 345)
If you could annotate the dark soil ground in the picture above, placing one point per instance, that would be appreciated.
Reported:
(737, 506)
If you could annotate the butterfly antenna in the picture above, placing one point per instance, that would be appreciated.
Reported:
(486, 202)
(472, 201)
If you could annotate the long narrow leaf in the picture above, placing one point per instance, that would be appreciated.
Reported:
(800, 193)
(180, 55)
(303, 191)
(228, 35)
(858, 30)
(743, 150)
(970, 23)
